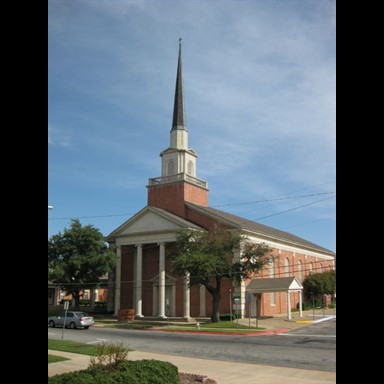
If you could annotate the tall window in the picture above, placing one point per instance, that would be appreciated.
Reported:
(286, 267)
(190, 168)
(170, 168)
(272, 295)
(300, 270)
(311, 267)
(271, 267)
(321, 268)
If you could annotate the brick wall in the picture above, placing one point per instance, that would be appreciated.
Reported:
(172, 197)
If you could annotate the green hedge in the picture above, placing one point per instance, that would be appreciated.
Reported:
(126, 372)
(227, 317)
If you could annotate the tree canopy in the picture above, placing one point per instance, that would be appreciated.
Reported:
(207, 256)
(318, 284)
(78, 258)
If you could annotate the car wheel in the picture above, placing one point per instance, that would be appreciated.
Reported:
(72, 325)
(86, 327)
(52, 324)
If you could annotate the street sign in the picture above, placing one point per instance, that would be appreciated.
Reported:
(236, 298)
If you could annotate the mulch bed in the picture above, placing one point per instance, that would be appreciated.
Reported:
(189, 378)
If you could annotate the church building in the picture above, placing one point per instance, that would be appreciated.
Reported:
(178, 199)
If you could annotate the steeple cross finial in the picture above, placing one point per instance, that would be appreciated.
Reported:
(180, 40)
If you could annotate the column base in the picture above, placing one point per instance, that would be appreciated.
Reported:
(189, 319)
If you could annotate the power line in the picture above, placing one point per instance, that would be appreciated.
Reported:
(215, 206)
(277, 199)
(293, 209)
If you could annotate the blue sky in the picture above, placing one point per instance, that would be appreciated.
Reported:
(259, 82)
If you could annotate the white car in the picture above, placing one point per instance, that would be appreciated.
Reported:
(72, 319)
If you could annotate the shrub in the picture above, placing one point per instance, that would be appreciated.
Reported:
(127, 372)
(109, 355)
(227, 317)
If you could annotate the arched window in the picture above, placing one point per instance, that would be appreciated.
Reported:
(190, 168)
(271, 267)
(272, 295)
(310, 267)
(170, 168)
(300, 270)
(321, 268)
(286, 267)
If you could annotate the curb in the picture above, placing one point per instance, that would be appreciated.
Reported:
(259, 333)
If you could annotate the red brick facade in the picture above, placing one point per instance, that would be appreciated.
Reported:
(267, 308)
(172, 197)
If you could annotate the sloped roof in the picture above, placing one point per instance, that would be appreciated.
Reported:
(241, 223)
(276, 284)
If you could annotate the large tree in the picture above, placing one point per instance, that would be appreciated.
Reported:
(207, 256)
(78, 258)
(317, 284)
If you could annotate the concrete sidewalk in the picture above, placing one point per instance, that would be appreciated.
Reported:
(225, 372)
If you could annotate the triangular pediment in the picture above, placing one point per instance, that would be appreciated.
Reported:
(151, 219)
(275, 284)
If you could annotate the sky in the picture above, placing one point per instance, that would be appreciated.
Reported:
(259, 89)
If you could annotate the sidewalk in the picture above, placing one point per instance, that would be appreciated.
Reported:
(225, 372)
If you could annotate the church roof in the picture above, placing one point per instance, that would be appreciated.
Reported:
(237, 222)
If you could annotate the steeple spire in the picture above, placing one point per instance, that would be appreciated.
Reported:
(178, 182)
(179, 121)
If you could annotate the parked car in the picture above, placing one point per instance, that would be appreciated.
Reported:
(73, 319)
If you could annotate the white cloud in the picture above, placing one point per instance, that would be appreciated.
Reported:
(259, 87)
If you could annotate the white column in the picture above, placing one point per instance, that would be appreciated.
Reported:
(139, 278)
(289, 305)
(242, 299)
(118, 280)
(187, 308)
(301, 303)
(162, 281)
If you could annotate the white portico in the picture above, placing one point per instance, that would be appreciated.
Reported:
(146, 237)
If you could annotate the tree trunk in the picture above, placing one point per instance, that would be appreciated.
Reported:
(215, 318)
(76, 297)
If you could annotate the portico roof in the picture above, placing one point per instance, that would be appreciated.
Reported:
(276, 284)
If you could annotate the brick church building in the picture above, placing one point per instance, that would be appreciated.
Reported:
(177, 199)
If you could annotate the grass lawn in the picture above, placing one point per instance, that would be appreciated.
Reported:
(54, 359)
(74, 347)
(222, 326)
(71, 346)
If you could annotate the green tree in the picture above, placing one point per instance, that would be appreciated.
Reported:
(207, 256)
(318, 284)
(77, 258)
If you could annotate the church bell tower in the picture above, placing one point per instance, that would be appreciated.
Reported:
(178, 182)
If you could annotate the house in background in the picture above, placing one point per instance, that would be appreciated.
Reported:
(178, 199)
(89, 297)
